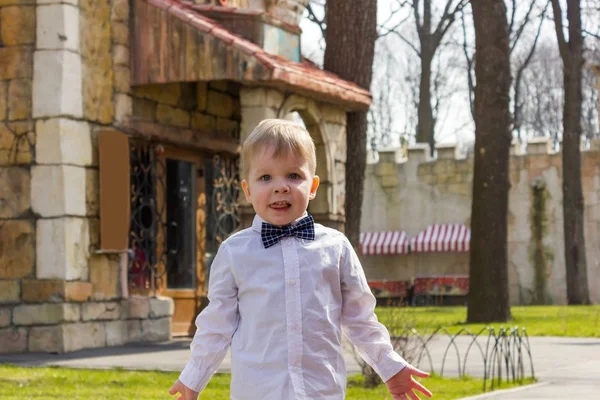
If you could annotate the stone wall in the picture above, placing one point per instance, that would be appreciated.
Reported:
(208, 107)
(64, 76)
(17, 153)
(408, 191)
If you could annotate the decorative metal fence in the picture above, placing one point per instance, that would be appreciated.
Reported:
(222, 204)
(505, 356)
(147, 226)
(504, 353)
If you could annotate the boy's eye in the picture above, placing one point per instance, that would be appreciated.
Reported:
(265, 178)
(294, 175)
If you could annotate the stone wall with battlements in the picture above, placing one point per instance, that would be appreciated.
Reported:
(406, 190)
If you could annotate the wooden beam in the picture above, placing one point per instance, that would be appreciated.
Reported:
(190, 138)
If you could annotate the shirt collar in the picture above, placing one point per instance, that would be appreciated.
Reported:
(258, 221)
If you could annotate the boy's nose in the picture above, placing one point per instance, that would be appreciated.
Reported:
(281, 188)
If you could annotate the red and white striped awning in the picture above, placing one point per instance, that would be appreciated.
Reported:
(442, 237)
(386, 243)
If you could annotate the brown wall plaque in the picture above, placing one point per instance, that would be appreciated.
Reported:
(113, 149)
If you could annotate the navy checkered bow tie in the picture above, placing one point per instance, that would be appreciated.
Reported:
(303, 229)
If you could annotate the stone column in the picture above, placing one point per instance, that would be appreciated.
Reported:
(329, 206)
(63, 145)
(257, 103)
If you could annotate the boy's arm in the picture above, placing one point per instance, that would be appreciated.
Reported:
(359, 321)
(216, 325)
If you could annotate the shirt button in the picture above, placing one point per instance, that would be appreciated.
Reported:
(293, 282)
(289, 242)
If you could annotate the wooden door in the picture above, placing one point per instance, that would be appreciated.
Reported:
(185, 219)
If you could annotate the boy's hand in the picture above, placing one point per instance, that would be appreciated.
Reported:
(186, 393)
(402, 385)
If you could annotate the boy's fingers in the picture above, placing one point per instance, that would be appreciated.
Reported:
(413, 395)
(421, 388)
(417, 372)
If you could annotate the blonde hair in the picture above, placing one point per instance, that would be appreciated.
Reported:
(285, 136)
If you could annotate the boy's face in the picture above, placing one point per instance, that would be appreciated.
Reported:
(279, 188)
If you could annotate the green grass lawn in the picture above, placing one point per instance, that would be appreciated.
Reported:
(574, 321)
(62, 383)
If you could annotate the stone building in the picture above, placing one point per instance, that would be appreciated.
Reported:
(413, 193)
(120, 129)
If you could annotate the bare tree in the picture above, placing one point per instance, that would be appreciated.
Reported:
(542, 94)
(350, 37)
(525, 20)
(488, 265)
(395, 89)
(522, 61)
(430, 36)
(591, 102)
(571, 52)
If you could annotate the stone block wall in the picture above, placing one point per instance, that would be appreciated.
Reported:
(64, 76)
(211, 108)
(17, 154)
(406, 190)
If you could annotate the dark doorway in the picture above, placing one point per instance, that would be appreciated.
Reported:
(181, 221)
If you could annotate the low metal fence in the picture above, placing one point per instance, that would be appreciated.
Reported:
(505, 353)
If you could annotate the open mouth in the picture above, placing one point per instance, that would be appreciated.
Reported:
(280, 205)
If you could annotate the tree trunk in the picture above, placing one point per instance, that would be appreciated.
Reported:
(488, 265)
(350, 49)
(573, 205)
(425, 125)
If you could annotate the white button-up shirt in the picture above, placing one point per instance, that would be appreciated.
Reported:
(282, 310)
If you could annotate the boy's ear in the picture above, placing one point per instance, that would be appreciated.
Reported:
(246, 189)
(314, 187)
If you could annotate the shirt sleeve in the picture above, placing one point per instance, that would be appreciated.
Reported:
(215, 325)
(359, 322)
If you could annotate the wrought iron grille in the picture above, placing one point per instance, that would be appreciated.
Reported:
(222, 191)
(147, 231)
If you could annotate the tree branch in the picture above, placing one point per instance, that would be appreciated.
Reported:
(415, 7)
(469, 59)
(558, 27)
(594, 35)
(390, 30)
(447, 20)
(313, 18)
(412, 46)
(524, 24)
(512, 18)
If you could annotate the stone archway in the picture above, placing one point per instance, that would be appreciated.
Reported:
(324, 204)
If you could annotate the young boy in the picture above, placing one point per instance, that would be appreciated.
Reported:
(282, 291)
